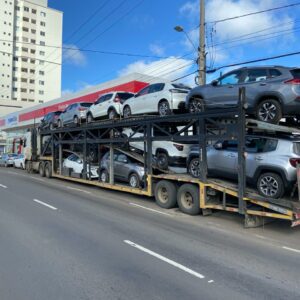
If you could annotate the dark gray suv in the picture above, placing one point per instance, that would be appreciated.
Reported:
(272, 92)
(270, 162)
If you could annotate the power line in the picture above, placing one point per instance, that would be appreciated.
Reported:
(255, 13)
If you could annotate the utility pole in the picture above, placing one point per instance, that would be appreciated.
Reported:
(201, 49)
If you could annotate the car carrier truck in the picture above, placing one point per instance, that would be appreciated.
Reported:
(45, 152)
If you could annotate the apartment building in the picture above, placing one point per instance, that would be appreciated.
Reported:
(30, 54)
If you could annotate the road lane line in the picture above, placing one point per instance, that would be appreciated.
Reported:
(165, 259)
(45, 204)
(210, 281)
(291, 249)
(3, 186)
(153, 210)
(36, 178)
(76, 189)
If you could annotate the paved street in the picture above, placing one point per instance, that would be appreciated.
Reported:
(61, 240)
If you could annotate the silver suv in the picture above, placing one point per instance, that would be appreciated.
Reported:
(272, 92)
(270, 162)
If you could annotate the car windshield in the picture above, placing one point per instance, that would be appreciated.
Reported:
(86, 104)
(296, 73)
(57, 113)
(12, 155)
(181, 86)
(125, 96)
(296, 148)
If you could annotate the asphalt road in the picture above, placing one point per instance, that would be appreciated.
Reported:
(60, 240)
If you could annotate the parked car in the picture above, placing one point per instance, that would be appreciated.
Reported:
(19, 161)
(7, 160)
(109, 105)
(50, 120)
(167, 153)
(161, 98)
(272, 92)
(74, 114)
(125, 169)
(75, 162)
(270, 162)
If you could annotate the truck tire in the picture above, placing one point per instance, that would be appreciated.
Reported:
(42, 169)
(104, 176)
(28, 166)
(165, 194)
(48, 170)
(188, 199)
(162, 160)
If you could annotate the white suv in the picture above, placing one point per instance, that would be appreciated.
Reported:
(108, 105)
(161, 98)
(166, 153)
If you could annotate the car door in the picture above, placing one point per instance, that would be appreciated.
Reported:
(138, 104)
(153, 97)
(121, 167)
(106, 103)
(224, 91)
(67, 113)
(95, 109)
(222, 158)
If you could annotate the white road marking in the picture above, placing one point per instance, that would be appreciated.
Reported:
(291, 249)
(153, 210)
(3, 186)
(165, 259)
(45, 204)
(210, 281)
(76, 189)
(36, 178)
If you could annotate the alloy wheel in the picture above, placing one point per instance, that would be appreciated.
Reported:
(267, 112)
(195, 106)
(164, 108)
(269, 186)
(194, 167)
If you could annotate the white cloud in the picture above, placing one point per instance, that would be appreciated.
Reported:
(157, 49)
(169, 68)
(67, 92)
(190, 9)
(74, 56)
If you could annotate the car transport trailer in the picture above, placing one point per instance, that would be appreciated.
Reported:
(45, 151)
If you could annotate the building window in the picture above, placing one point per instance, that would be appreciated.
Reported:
(17, 8)
(31, 91)
(15, 99)
(30, 100)
(43, 23)
(41, 82)
(42, 43)
(24, 70)
(25, 29)
(31, 80)
(33, 21)
(33, 11)
(15, 79)
(23, 79)
(32, 41)
(41, 101)
(32, 61)
(15, 69)
(43, 33)
(32, 51)
(42, 53)
(23, 90)
(24, 59)
(41, 73)
(32, 71)
(15, 89)
(26, 8)
(33, 31)
(25, 19)
(24, 49)
(43, 14)
(41, 92)
(42, 62)
(25, 39)
(23, 99)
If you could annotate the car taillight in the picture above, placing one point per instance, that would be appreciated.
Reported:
(117, 99)
(178, 91)
(294, 162)
(82, 108)
(178, 147)
(293, 81)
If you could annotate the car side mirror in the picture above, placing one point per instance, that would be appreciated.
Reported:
(79, 161)
(214, 82)
(218, 146)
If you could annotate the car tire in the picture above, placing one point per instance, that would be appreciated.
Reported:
(89, 118)
(188, 199)
(22, 167)
(48, 170)
(193, 167)
(76, 121)
(269, 110)
(104, 176)
(111, 114)
(126, 111)
(164, 108)
(196, 105)
(42, 169)
(134, 180)
(165, 194)
(162, 160)
(270, 185)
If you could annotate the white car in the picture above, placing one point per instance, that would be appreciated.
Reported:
(19, 161)
(161, 98)
(75, 163)
(166, 153)
(109, 105)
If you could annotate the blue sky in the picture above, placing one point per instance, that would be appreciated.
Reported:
(147, 29)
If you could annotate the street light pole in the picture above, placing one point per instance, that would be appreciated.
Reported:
(201, 50)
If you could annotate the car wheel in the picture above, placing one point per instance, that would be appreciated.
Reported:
(196, 106)
(89, 118)
(162, 160)
(134, 180)
(5, 165)
(104, 177)
(269, 110)
(42, 169)
(188, 199)
(165, 194)
(270, 185)
(22, 167)
(126, 112)
(76, 121)
(51, 126)
(48, 170)
(193, 168)
(164, 108)
(112, 114)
